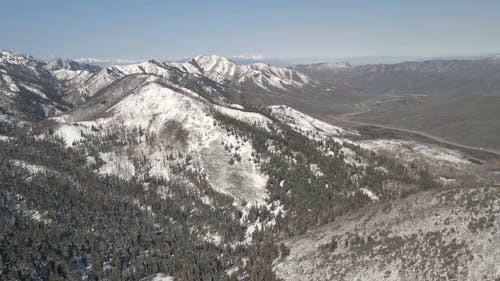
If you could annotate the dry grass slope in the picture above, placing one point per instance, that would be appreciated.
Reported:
(447, 234)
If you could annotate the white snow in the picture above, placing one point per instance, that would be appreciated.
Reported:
(409, 148)
(150, 67)
(70, 133)
(370, 194)
(305, 123)
(350, 157)
(34, 90)
(213, 238)
(118, 165)
(446, 180)
(237, 106)
(5, 138)
(32, 168)
(259, 225)
(157, 108)
(33, 215)
(14, 58)
(158, 277)
(248, 117)
(67, 75)
(9, 82)
(100, 80)
(221, 70)
(315, 169)
(215, 67)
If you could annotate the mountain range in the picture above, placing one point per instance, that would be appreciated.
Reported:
(212, 170)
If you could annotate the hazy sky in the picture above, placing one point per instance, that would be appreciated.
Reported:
(280, 29)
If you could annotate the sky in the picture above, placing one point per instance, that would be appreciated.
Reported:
(171, 29)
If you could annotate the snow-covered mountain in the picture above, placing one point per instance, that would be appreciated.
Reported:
(193, 172)
(32, 89)
(35, 89)
(227, 72)
(149, 116)
(260, 77)
(177, 118)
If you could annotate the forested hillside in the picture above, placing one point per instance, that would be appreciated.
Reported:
(150, 171)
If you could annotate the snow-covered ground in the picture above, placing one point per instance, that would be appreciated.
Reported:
(8, 83)
(423, 237)
(69, 75)
(118, 165)
(222, 70)
(181, 120)
(70, 133)
(248, 117)
(305, 123)
(407, 150)
(5, 138)
(32, 168)
(369, 193)
(158, 277)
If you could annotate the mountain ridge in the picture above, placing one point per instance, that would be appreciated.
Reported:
(205, 186)
(70, 83)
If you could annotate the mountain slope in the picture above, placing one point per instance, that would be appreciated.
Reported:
(264, 76)
(143, 126)
(59, 85)
(179, 120)
(31, 90)
(182, 182)
(427, 76)
(455, 100)
(450, 234)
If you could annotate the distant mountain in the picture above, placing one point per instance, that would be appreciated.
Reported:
(231, 74)
(32, 89)
(217, 77)
(59, 85)
(456, 99)
(203, 170)
(421, 76)
(245, 60)
(322, 71)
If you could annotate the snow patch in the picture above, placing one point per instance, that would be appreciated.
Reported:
(158, 277)
(370, 194)
(223, 70)
(32, 168)
(117, 164)
(408, 148)
(183, 121)
(34, 90)
(9, 82)
(305, 123)
(248, 117)
(70, 133)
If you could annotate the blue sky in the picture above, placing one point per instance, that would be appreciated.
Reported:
(279, 29)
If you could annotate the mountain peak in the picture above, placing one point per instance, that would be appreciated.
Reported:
(216, 67)
(7, 53)
(224, 70)
(69, 64)
(211, 58)
(14, 58)
(212, 62)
